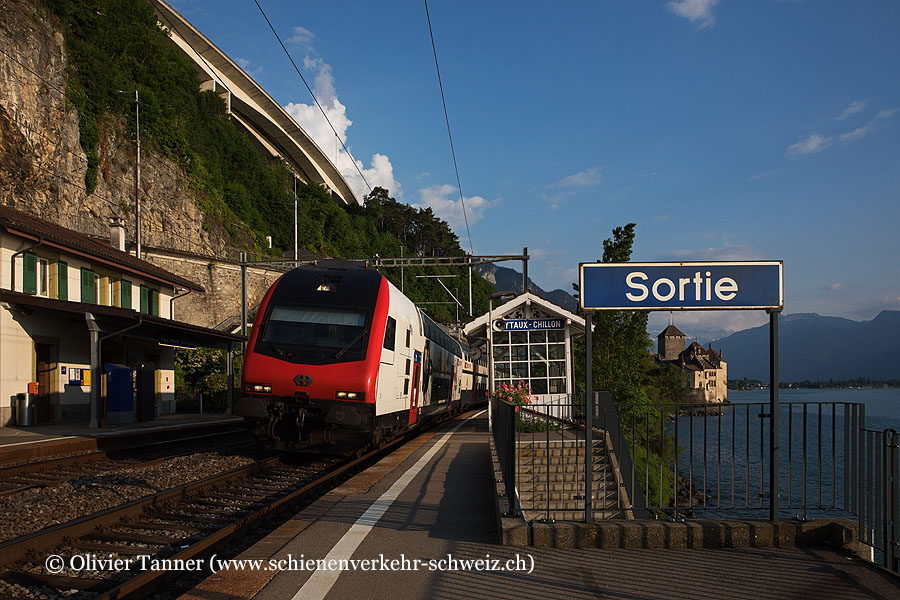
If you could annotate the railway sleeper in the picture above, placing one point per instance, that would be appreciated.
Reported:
(59, 582)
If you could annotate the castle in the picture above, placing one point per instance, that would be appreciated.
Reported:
(704, 370)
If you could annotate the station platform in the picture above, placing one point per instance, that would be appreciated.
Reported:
(24, 443)
(416, 522)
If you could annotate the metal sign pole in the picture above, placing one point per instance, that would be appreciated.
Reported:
(773, 415)
(588, 419)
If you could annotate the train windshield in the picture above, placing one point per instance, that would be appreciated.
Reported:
(304, 334)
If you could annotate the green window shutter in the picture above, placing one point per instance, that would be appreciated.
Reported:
(62, 283)
(145, 299)
(125, 288)
(154, 303)
(88, 287)
(29, 268)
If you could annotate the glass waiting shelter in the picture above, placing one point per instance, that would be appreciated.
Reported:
(532, 342)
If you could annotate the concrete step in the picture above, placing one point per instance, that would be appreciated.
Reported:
(540, 500)
(544, 476)
(524, 469)
(558, 486)
(558, 460)
(574, 515)
(572, 505)
(567, 450)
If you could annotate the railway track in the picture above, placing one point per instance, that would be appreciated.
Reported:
(175, 525)
(46, 473)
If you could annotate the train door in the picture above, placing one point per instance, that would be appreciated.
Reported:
(404, 360)
(414, 398)
(386, 387)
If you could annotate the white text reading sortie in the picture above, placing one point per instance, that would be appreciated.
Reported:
(695, 289)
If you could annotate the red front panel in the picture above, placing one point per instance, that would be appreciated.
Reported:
(327, 379)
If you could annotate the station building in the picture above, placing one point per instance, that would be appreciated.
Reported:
(55, 286)
(532, 342)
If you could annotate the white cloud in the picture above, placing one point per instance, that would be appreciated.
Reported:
(586, 178)
(245, 64)
(556, 199)
(699, 12)
(301, 36)
(724, 252)
(763, 175)
(542, 254)
(814, 143)
(310, 118)
(861, 132)
(444, 201)
(855, 107)
(706, 324)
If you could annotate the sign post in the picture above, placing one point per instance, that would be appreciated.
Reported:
(750, 285)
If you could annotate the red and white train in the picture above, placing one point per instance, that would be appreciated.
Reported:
(340, 358)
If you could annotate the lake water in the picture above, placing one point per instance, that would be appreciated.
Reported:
(728, 455)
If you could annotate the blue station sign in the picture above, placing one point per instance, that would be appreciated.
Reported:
(529, 324)
(682, 286)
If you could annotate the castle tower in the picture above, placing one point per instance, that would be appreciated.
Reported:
(670, 343)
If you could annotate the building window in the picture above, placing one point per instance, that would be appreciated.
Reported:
(62, 280)
(43, 277)
(125, 294)
(538, 358)
(88, 286)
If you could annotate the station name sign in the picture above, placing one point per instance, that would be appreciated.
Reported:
(529, 324)
(682, 286)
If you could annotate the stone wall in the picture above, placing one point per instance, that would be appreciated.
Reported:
(222, 281)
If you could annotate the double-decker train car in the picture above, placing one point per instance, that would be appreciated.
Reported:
(340, 358)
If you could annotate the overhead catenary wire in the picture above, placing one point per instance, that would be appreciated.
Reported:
(316, 100)
(449, 134)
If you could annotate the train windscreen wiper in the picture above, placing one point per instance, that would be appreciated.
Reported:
(353, 341)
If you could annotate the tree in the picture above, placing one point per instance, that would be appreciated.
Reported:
(621, 356)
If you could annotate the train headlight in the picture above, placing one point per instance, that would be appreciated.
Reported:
(259, 388)
(350, 396)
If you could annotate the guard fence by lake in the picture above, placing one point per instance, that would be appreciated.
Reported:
(679, 460)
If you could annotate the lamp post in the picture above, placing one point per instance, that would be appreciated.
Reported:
(489, 329)
(137, 169)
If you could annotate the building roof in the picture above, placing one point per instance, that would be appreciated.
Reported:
(475, 328)
(669, 331)
(53, 235)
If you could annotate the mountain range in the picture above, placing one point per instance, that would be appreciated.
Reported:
(505, 278)
(814, 347)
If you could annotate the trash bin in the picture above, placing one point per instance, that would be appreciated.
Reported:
(119, 394)
(25, 409)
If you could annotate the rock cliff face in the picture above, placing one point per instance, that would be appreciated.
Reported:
(42, 166)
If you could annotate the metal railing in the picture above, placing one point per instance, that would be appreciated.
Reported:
(541, 447)
(682, 460)
(879, 494)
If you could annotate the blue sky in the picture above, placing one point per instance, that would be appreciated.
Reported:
(725, 129)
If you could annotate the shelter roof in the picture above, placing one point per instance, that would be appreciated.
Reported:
(475, 328)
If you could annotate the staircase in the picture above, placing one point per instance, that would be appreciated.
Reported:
(550, 480)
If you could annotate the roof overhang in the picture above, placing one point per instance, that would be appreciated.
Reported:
(166, 332)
